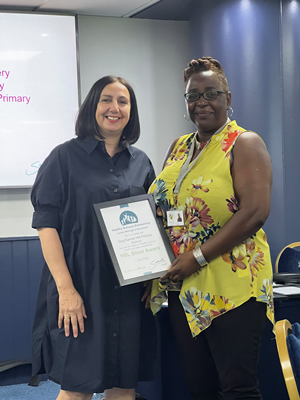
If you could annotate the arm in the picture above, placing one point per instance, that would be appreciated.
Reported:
(70, 303)
(252, 181)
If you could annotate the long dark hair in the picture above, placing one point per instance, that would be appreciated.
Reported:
(86, 124)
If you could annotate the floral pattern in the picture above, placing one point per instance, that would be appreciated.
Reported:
(267, 296)
(197, 308)
(180, 152)
(201, 309)
(232, 204)
(196, 212)
(235, 262)
(200, 184)
(221, 304)
(207, 200)
(255, 258)
(228, 140)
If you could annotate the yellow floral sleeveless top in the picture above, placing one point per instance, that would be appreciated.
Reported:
(207, 200)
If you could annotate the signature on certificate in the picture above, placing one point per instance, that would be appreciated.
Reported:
(155, 263)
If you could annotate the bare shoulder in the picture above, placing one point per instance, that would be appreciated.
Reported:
(250, 155)
(249, 145)
(249, 138)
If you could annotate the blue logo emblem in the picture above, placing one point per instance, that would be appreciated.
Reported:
(128, 217)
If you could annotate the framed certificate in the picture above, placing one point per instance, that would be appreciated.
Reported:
(137, 242)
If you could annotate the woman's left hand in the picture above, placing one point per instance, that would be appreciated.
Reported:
(184, 266)
(147, 293)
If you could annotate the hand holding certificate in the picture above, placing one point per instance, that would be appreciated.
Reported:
(138, 245)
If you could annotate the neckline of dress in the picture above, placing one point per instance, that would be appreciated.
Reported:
(199, 144)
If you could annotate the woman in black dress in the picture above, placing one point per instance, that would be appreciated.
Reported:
(88, 332)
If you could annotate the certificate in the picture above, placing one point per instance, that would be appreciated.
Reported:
(137, 242)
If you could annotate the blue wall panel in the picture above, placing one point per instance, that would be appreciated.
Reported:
(21, 263)
(245, 36)
(6, 310)
(291, 106)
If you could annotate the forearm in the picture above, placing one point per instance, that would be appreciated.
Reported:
(242, 225)
(55, 259)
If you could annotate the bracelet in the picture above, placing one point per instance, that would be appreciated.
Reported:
(197, 253)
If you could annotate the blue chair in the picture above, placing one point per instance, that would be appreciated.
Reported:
(288, 346)
(288, 260)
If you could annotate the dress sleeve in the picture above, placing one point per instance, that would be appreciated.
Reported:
(150, 177)
(47, 193)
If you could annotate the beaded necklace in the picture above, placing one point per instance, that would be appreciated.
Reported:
(200, 145)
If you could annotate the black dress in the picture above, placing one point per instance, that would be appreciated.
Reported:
(118, 346)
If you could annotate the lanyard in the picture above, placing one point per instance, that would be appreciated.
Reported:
(186, 167)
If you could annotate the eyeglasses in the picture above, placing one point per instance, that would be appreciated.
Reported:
(208, 95)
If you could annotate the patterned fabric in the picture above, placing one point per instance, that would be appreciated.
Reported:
(208, 201)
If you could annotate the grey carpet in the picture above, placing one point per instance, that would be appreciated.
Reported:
(47, 390)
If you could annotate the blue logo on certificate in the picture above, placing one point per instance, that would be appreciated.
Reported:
(128, 217)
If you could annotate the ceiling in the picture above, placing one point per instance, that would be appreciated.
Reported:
(176, 10)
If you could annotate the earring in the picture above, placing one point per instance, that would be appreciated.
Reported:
(185, 116)
(231, 112)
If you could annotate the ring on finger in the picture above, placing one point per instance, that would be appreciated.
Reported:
(66, 317)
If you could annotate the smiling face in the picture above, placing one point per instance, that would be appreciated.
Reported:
(207, 115)
(113, 110)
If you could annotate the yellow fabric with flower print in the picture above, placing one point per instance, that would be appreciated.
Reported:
(207, 199)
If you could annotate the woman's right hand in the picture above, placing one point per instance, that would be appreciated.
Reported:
(159, 212)
(71, 311)
(71, 308)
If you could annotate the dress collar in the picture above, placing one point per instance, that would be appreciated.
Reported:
(90, 143)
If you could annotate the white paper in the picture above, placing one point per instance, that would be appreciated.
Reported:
(136, 239)
(286, 290)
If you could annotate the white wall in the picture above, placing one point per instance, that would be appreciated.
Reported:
(151, 55)
(15, 213)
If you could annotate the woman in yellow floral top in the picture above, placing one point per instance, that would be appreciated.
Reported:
(218, 180)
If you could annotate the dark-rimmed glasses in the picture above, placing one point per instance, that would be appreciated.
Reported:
(208, 95)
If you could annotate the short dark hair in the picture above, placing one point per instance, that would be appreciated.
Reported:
(86, 123)
(206, 64)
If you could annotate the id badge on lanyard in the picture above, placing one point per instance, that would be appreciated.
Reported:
(175, 218)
